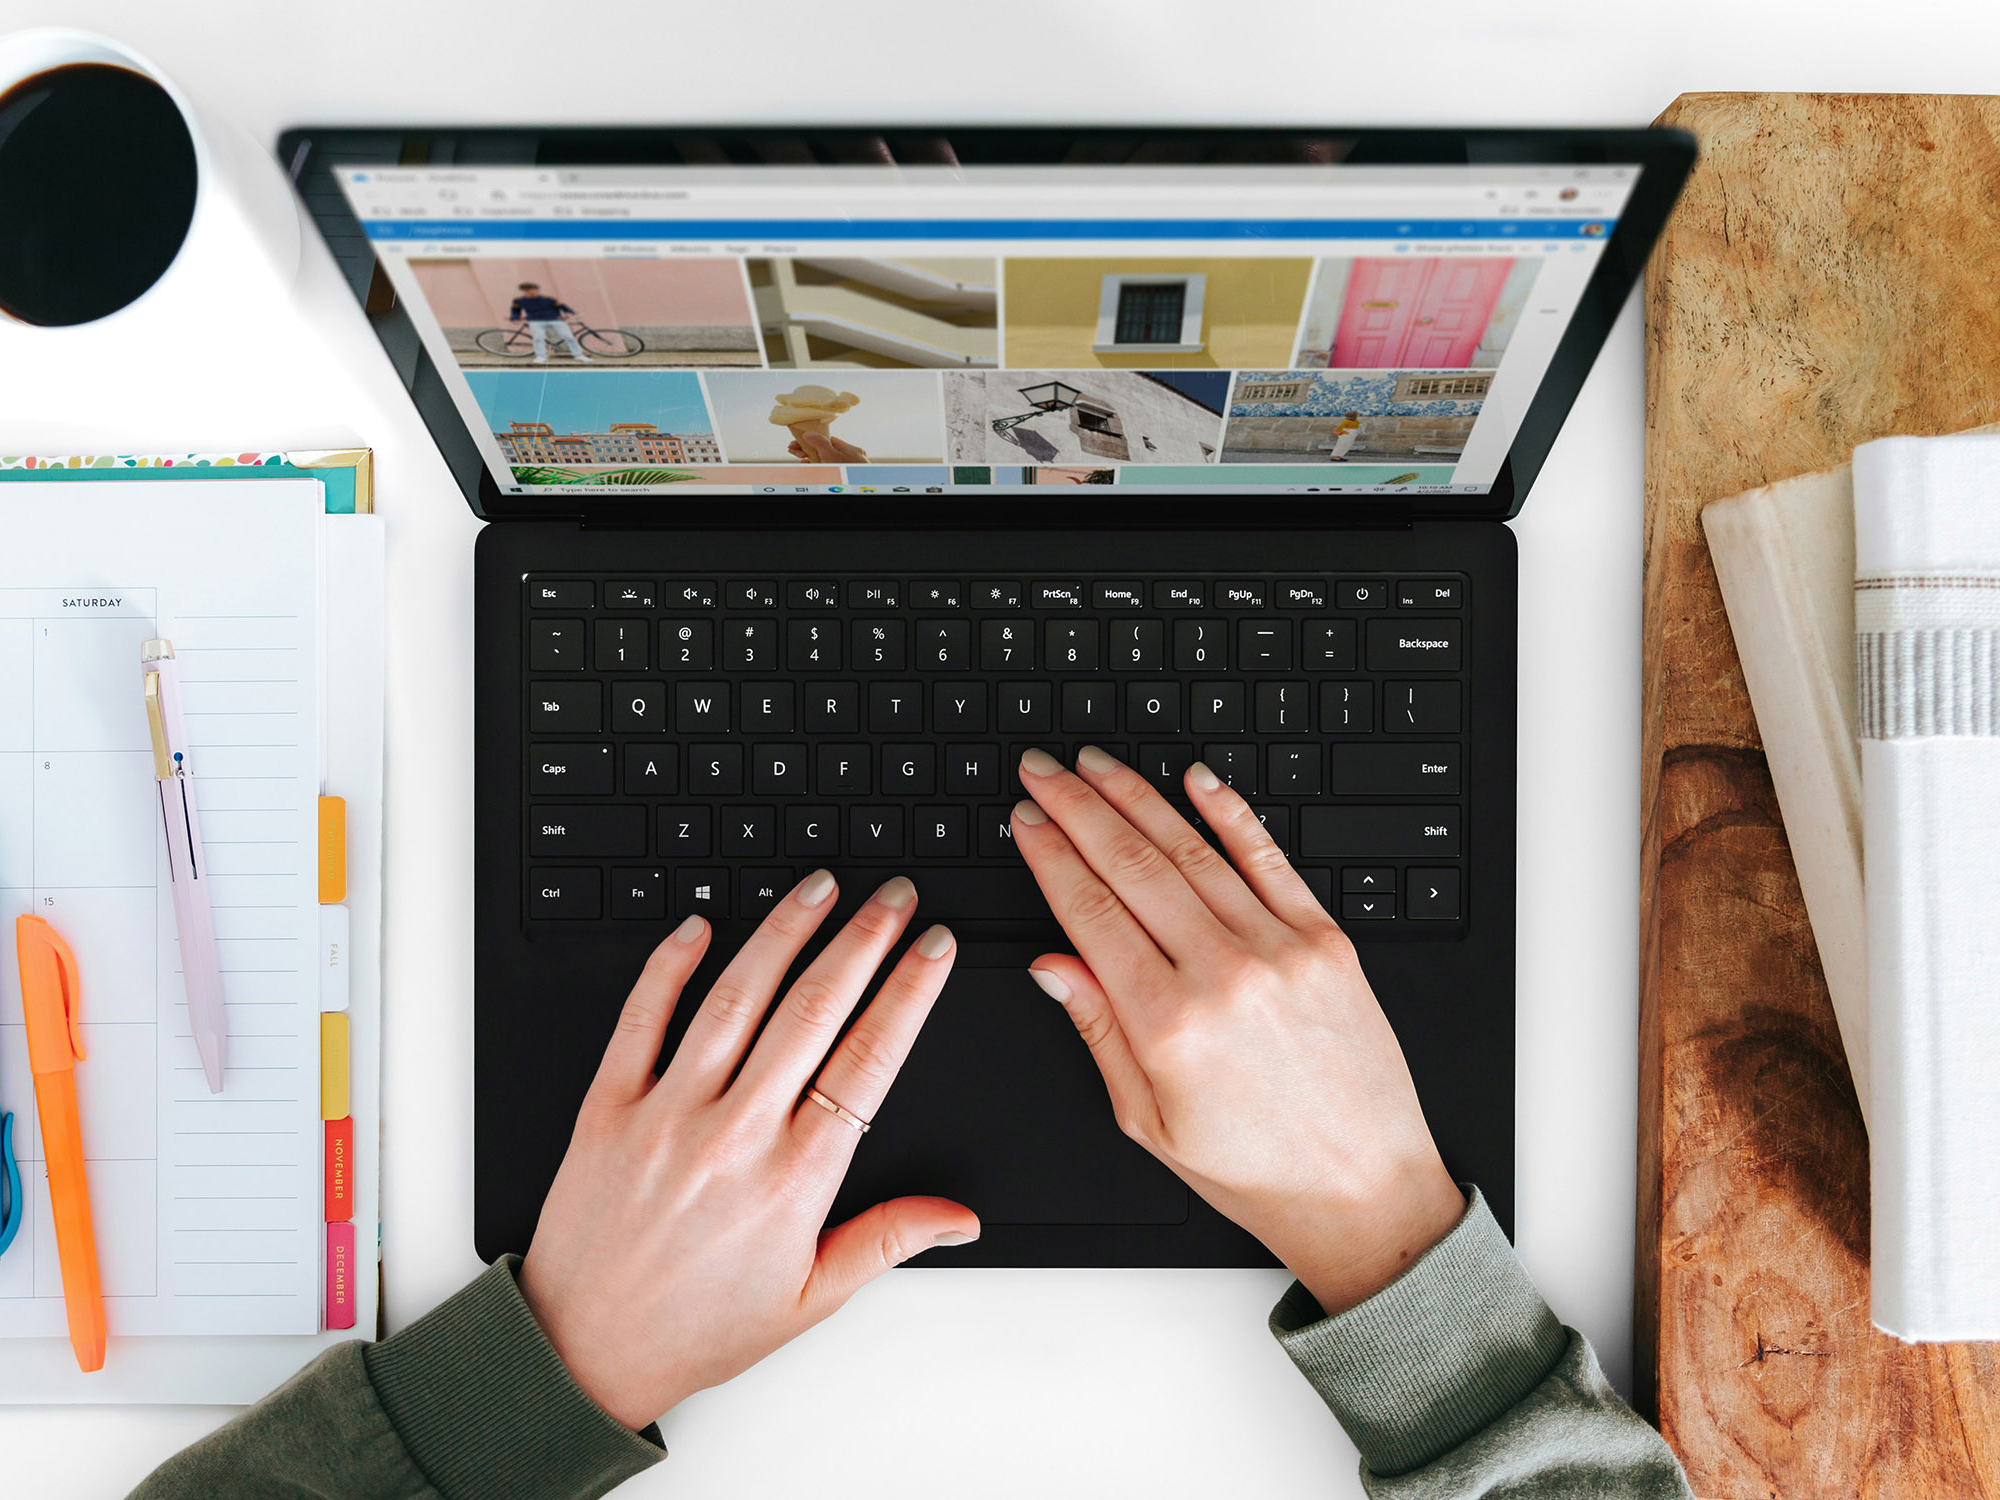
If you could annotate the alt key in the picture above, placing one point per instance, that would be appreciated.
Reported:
(760, 888)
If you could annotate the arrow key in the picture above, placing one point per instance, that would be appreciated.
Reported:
(1357, 906)
(1431, 895)
(1368, 879)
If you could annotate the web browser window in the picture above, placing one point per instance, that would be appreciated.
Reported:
(650, 331)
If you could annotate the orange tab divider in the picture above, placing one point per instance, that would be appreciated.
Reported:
(332, 850)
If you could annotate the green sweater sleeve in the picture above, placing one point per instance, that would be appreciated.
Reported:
(1456, 1380)
(470, 1402)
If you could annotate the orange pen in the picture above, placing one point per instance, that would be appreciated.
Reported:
(51, 995)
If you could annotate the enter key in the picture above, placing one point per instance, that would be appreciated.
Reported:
(1368, 770)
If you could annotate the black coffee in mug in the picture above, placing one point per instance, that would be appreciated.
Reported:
(97, 188)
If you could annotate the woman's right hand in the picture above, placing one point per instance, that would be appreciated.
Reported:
(1236, 1033)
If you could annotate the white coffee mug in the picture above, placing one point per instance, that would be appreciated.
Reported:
(246, 219)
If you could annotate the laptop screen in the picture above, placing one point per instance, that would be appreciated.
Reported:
(649, 332)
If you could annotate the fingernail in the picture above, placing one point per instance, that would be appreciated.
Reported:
(815, 888)
(1090, 758)
(934, 944)
(690, 931)
(1039, 763)
(954, 1237)
(1028, 812)
(897, 894)
(1053, 987)
(1202, 777)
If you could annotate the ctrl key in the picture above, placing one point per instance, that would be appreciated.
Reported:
(565, 895)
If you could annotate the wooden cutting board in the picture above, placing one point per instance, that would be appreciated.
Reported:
(1831, 275)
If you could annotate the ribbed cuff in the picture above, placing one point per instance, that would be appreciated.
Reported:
(488, 1412)
(1433, 1357)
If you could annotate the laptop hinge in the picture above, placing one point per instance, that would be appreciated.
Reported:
(1190, 515)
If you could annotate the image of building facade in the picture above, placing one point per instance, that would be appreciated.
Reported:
(1180, 312)
(1107, 417)
(624, 443)
(863, 312)
(1414, 312)
(1395, 416)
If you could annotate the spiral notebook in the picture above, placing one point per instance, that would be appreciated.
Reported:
(211, 1210)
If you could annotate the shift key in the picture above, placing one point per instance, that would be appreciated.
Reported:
(588, 832)
(1415, 645)
(1360, 833)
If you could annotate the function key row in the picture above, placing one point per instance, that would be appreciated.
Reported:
(1061, 594)
(1330, 644)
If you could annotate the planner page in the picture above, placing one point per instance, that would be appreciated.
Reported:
(207, 1207)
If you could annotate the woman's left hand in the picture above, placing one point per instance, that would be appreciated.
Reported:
(684, 1237)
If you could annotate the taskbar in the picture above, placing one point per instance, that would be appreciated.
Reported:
(1136, 491)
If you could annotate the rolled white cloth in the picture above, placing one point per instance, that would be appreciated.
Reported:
(1927, 681)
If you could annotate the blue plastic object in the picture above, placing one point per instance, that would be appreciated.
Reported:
(10, 1185)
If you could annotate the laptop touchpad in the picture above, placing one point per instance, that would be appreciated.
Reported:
(1001, 1108)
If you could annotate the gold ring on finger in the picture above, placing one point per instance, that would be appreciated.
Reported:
(840, 1112)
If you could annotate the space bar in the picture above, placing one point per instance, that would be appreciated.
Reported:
(947, 895)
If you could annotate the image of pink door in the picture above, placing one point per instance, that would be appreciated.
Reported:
(1425, 312)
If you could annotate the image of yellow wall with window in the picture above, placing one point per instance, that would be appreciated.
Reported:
(1207, 312)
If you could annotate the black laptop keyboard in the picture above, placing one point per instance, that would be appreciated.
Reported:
(698, 745)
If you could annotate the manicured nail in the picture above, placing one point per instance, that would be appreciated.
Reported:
(897, 893)
(1090, 758)
(1052, 986)
(934, 944)
(1203, 778)
(690, 931)
(1027, 812)
(1039, 763)
(815, 888)
(954, 1237)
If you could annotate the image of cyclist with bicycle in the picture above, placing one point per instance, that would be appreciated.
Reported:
(545, 315)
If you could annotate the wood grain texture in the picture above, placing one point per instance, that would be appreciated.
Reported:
(1832, 275)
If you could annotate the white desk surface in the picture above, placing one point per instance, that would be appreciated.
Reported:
(974, 1383)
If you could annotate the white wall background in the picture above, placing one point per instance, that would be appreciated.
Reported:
(969, 1383)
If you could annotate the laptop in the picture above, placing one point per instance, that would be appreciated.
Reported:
(826, 472)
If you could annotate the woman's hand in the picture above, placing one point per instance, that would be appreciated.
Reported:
(814, 448)
(1235, 1031)
(682, 1240)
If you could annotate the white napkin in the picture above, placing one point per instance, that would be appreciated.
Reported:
(1927, 680)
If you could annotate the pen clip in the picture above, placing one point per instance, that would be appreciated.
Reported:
(72, 988)
(30, 927)
(152, 655)
(156, 725)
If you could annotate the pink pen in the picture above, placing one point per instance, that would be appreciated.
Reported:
(201, 973)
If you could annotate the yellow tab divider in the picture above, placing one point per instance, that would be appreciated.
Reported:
(332, 1065)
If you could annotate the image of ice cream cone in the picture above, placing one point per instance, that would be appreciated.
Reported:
(811, 409)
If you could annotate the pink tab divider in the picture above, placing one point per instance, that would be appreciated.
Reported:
(340, 1276)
